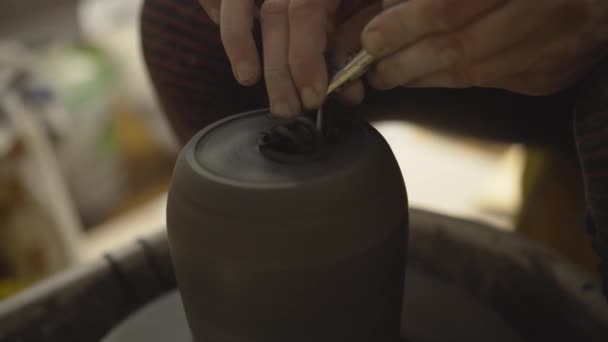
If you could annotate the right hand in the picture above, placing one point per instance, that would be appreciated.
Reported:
(295, 36)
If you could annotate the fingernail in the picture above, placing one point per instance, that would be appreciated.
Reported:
(245, 73)
(310, 97)
(373, 42)
(214, 14)
(281, 109)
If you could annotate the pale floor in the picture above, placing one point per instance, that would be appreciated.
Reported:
(469, 179)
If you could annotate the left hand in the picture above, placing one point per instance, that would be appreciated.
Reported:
(534, 47)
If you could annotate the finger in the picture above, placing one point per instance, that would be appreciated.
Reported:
(352, 95)
(282, 94)
(483, 73)
(522, 68)
(436, 80)
(237, 37)
(458, 53)
(548, 81)
(407, 22)
(212, 7)
(308, 26)
(535, 84)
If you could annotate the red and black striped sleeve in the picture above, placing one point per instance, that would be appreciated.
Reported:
(591, 134)
(188, 67)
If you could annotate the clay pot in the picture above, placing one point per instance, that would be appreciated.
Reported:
(310, 248)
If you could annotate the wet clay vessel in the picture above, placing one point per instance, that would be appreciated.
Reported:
(277, 243)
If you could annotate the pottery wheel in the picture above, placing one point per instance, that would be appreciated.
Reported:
(434, 311)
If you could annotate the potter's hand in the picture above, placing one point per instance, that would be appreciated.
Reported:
(295, 35)
(235, 18)
(530, 47)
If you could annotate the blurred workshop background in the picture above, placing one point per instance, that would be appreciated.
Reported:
(86, 155)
